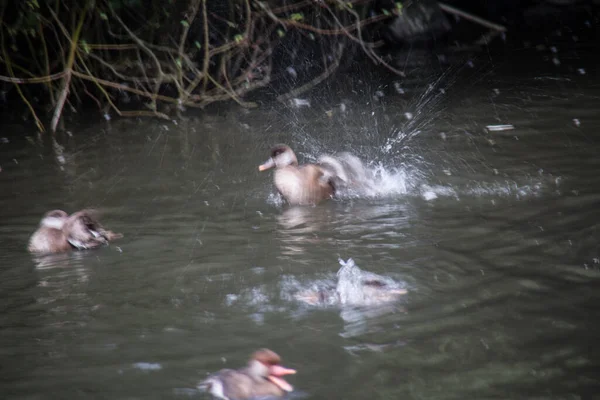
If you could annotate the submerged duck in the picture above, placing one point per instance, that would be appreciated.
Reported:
(354, 287)
(59, 232)
(261, 378)
(299, 185)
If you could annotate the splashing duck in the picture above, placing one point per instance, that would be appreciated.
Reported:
(59, 232)
(261, 378)
(354, 287)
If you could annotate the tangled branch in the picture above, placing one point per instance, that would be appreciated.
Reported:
(187, 54)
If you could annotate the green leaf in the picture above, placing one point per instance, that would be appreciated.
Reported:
(178, 62)
(399, 6)
(197, 44)
(103, 16)
(85, 46)
(311, 36)
(297, 17)
(280, 33)
(386, 12)
(349, 5)
(185, 23)
(238, 38)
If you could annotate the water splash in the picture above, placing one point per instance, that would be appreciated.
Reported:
(358, 287)
(355, 179)
(353, 287)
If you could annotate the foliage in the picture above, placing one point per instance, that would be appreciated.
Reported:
(172, 54)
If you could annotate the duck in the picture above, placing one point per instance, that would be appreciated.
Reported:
(262, 377)
(354, 287)
(59, 232)
(307, 184)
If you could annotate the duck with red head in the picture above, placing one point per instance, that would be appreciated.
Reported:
(261, 378)
(299, 185)
(58, 232)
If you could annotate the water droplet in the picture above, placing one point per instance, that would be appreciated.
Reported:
(398, 88)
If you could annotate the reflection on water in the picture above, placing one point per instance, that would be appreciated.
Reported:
(494, 235)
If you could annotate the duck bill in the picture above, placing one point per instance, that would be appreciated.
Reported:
(270, 163)
(276, 371)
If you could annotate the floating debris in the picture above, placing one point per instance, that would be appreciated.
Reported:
(499, 128)
(147, 366)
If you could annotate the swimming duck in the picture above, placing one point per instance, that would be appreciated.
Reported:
(354, 287)
(58, 232)
(261, 378)
(299, 185)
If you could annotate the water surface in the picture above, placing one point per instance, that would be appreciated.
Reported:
(494, 234)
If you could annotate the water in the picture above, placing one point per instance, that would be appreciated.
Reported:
(494, 235)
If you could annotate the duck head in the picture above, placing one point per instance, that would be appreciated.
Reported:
(281, 156)
(265, 364)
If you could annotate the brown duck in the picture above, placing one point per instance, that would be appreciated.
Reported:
(299, 185)
(59, 232)
(261, 378)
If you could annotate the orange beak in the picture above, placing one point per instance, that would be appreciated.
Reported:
(275, 371)
(270, 163)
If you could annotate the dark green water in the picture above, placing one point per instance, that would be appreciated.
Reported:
(495, 234)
